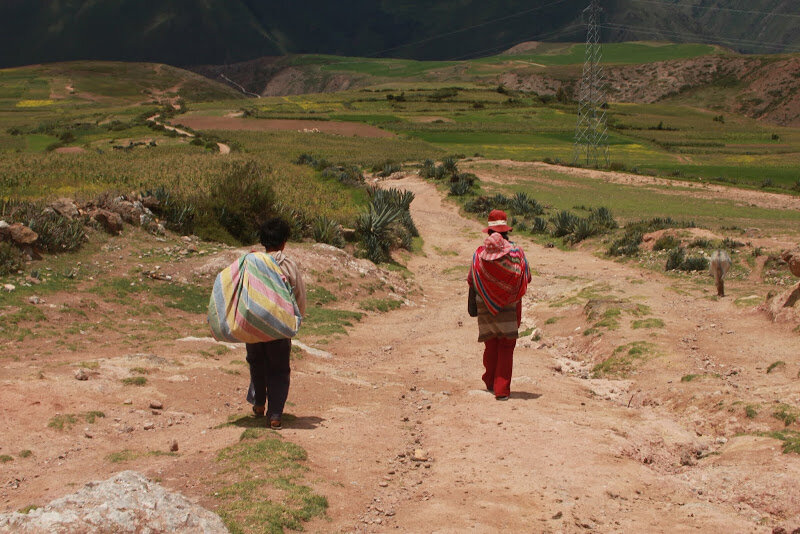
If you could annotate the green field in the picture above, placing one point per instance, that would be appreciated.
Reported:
(102, 107)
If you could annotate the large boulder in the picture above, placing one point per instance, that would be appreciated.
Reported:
(125, 503)
(65, 207)
(785, 308)
(792, 259)
(110, 221)
(17, 233)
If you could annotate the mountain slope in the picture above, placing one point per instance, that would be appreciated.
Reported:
(225, 31)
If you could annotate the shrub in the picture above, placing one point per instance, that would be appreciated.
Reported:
(428, 169)
(694, 263)
(237, 203)
(582, 228)
(325, 230)
(460, 188)
(387, 168)
(479, 205)
(678, 260)
(56, 233)
(373, 229)
(539, 225)
(666, 242)
(450, 166)
(177, 213)
(522, 204)
(10, 259)
(675, 258)
(603, 219)
(700, 242)
(627, 245)
(347, 174)
(563, 223)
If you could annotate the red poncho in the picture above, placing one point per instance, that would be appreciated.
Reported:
(499, 273)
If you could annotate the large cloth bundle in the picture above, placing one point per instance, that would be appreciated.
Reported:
(252, 302)
(499, 273)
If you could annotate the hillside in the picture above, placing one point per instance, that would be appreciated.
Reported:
(228, 31)
(761, 87)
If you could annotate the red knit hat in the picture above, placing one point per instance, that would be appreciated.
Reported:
(498, 221)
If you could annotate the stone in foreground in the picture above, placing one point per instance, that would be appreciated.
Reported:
(125, 503)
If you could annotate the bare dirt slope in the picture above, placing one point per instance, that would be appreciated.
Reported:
(399, 432)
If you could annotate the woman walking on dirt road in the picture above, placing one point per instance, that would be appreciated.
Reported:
(498, 278)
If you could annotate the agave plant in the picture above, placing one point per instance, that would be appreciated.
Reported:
(563, 223)
(428, 169)
(539, 225)
(460, 188)
(325, 230)
(450, 166)
(582, 229)
(373, 229)
(602, 218)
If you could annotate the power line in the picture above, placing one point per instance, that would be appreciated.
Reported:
(713, 8)
(709, 40)
(454, 32)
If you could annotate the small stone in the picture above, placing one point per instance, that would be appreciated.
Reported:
(127, 402)
(127, 429)
(149, 425)
(9, 287)
(88, 434)
(559, 515)
(383, 484)
(156, 405)
(80, 374)
(173, 447)
(35, 300)
(419, 456)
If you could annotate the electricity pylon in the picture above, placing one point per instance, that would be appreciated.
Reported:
(591, 133)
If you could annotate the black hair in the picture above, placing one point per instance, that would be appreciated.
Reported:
(504, 234)
(274, 232)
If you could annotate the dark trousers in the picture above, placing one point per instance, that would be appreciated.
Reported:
(269, 374)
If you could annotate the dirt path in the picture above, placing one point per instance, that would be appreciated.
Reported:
(565, 453)
(654, 452)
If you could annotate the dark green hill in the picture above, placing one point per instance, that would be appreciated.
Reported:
(225, 31)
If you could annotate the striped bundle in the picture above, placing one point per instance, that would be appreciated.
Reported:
(500, 281)
(252, 302)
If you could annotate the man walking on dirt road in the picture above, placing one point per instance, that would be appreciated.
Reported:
(269, 361)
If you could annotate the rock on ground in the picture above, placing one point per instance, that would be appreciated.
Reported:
(125, 503)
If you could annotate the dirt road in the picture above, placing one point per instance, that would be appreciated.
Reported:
(564, 454)
(400, 434)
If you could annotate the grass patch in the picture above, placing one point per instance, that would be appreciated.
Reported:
(134, 381)
(26, 453)
(380, 305)
(690, 378)
(125, 455)
(262, 487)
(787, 414)
(553, 320)
(92, 365)
(5, 458)
(62, 421)
(751, 411)
(324, 321)
(28, 509)
(776, 365)
(623, 360)
(320, 296)
(790, 439)
(651, 322)
(91, 417)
